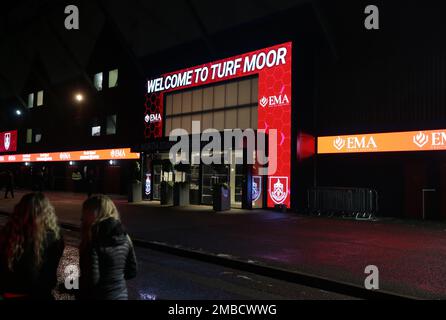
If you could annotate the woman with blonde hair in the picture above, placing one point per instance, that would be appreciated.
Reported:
(107, 256)
(30, 250)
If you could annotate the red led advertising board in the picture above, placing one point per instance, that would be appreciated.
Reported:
(87, 155)
(273, 67)
(8, 141)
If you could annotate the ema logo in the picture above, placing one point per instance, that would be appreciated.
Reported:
(339, 143)
(420, 139)
(151, 118)
(7, 140)
(278, 189)
(274, 101)
(355, 143)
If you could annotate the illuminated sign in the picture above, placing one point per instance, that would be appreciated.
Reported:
(105, 154)
(272, 66)
(8, 141)
(274, 101)
(430, 140)
(256, 188)
(238, 66)
(150, 118)
(278, 189)
(148, 183)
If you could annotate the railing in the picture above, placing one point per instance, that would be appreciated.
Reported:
(358, 203)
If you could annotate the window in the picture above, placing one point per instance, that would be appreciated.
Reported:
(96, 131)
(222, 106)
(29, 135)
(98, 78)
(111, 124)
(40, 98)
(113, 78)
(38, 137)
(31, 100)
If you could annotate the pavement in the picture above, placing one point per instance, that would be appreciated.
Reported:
(410, 255)
(163, 276)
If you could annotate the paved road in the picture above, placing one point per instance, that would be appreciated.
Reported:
(410, 255)
(165, 276)
(168, 277)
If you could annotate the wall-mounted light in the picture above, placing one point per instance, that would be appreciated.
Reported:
(111, 162)
(71, 163)
(18, 112)
(27, 164)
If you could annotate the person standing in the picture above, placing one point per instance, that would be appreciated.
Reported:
(107, 257)
(2, 179)
(40, 179)
(9, 184)
(91, 182)
(76, 177)
(31, 247)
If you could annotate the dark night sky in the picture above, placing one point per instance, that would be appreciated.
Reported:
(32, 31)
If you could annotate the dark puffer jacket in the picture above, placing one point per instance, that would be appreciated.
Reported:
(107, 262)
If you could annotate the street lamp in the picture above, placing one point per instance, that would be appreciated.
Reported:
(79, 97)
(18, 112)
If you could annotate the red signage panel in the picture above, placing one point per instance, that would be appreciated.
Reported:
(273, 67)
(8, 141)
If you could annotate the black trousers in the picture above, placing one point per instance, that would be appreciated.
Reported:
(9, 190)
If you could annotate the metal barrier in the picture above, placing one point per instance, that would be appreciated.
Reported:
(358, 203)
